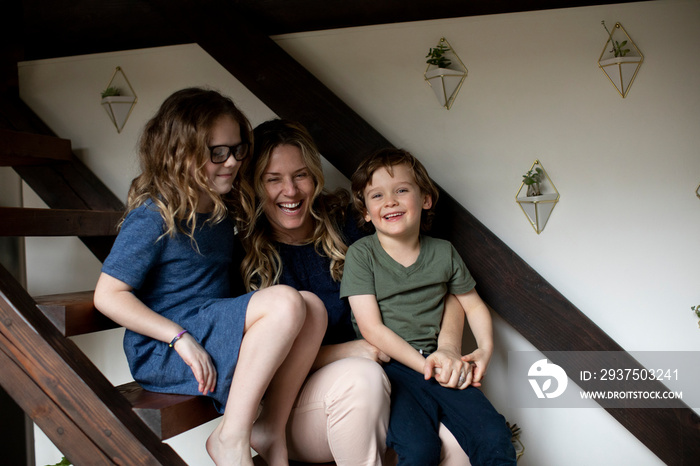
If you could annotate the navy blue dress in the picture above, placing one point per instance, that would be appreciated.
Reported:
(188, 284)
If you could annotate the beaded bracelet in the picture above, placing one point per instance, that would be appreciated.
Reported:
(177, 337)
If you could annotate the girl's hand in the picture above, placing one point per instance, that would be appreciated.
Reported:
(449, 369)
(364, 349)
(199, 361)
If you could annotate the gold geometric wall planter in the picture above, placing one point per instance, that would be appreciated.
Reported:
(697, 191)
(620, 59)
(119, 106)
(446, 80)
(537, 208)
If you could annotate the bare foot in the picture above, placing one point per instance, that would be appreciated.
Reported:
(271, 446)
(229, 452)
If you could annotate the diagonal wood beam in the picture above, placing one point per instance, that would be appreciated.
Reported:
(507, 283)
(64, 393)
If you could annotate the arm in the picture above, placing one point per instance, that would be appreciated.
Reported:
(116, 300)
(446, 362)
(479, 320)
(369, 320)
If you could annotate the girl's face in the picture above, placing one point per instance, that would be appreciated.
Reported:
(394, 204)
(289, 189)
(225, 132)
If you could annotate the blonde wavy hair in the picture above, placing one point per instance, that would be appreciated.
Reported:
(262, 265)
(173, 150)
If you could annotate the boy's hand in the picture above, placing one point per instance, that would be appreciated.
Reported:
(480, 360)
(449, 369)
(199, 361)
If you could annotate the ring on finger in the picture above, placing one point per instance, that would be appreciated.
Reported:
(461, 378)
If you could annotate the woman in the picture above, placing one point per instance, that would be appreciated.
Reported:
(299, 237)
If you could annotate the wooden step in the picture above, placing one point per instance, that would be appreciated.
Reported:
(165, 414)
(20, 148)
(168, 415)
(16, 221)
(74, 313)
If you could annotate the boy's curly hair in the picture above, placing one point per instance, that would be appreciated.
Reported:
(388, 158)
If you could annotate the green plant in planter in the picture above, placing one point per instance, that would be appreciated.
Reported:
(111, 92)
(532, 179)
(64, 462)
(616, 45)
(436, 56)
(696, 310)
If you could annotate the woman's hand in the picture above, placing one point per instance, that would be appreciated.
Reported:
(364, 349)
(357, 349)
(199, 361)
(449, 369)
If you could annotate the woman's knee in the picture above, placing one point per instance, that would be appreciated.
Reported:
(364, 386)
(281, 304)
(316, 314)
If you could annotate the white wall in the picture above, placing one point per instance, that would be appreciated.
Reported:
(622, 242)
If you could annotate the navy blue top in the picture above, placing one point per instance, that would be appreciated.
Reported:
(306, 269)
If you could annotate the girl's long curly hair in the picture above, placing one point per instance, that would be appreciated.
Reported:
(262, 265)
(173, 149)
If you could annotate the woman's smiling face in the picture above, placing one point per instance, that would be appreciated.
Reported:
(289, 189)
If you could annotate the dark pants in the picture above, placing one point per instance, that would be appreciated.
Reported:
(419, 406)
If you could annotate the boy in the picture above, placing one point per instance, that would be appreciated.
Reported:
(396, 281)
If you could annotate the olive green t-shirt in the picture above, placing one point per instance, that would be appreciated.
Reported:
(411, 299)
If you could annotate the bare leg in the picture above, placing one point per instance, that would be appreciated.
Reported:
(269, 432)
(275, 318)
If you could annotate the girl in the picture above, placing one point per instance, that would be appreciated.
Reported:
(166, 281)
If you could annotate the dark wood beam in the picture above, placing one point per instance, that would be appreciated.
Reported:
(113, 25)
(17, 221)
(20, 148)
(509, 285)
(288, 16)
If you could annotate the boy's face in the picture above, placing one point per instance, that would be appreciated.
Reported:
(394, 203)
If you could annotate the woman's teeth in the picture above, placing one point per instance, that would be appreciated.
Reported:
(289, 206)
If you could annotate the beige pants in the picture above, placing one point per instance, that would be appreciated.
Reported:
(341, 415)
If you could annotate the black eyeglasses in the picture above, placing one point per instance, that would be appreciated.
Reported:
(220, 154)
